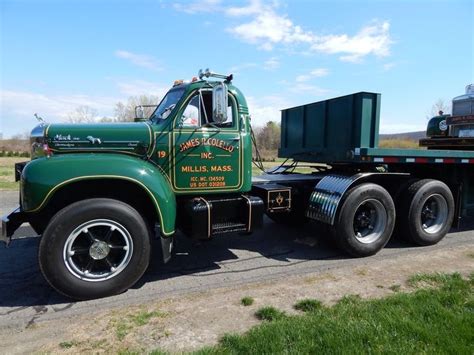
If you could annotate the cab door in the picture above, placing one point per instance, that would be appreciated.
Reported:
(207, 155)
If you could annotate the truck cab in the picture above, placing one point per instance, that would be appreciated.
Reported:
(202, 138)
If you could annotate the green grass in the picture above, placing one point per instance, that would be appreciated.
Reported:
(247, 301)
(275, 164)
(67, 344)
(403, 143)
(429, 320)
(308, 305)
(124, 325)
(395, 288)
(431, 280)
(144, 317)
(122, 329)
(270, 314)
(7, 172)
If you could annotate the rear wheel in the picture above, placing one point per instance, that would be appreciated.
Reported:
(426, 212)
(94, 248)
(365, 221)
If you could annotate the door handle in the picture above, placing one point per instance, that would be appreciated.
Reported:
(235, 139)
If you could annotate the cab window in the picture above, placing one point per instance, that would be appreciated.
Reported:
(198, 112)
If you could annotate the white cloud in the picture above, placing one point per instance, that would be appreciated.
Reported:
(389, 128)
(271, 64)
(254, 7)
(315, 73)
(267, 108)
(18, 108)
(140, 60)
(261, 24)
(373, 39)
(267, 28)
(194, 7)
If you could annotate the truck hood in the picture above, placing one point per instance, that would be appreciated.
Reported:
(128, 138)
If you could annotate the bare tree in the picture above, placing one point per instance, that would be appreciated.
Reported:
(126, 112)
(82, 114)
(439, 105)
(21, 136)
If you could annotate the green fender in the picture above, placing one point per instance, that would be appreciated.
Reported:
(42, 177)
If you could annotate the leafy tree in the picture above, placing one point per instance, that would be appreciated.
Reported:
(268, 137)
(268, 140)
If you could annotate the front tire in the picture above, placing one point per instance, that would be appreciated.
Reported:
(365, 221)
(94, 248)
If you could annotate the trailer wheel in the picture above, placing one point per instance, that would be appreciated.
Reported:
(365, 221)
(426, 212)
(94, 248)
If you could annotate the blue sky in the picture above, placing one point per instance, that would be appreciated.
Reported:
(58, 55)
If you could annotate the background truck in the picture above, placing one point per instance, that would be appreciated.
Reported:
(97, 193)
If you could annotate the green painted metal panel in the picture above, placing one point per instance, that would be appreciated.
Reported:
(127, 138)
(315, 126)
(205, 160)
(332, 129)
(42, 177)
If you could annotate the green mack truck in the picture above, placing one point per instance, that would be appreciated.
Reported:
(98, 193)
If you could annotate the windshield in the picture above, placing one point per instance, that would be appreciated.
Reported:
(167, 105)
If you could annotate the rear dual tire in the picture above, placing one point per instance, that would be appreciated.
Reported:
(426, 212)
(365, 220)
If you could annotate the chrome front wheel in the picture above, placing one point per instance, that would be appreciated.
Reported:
(98, 250)
(95, 248)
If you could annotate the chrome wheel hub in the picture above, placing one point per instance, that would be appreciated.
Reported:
(98, 250)
(434, 214)
(370, 221)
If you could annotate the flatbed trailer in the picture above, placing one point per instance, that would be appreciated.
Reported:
(97, 193)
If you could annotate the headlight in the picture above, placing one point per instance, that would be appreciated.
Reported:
(38, 141)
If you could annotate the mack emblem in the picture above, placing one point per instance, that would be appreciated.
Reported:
(94, 140)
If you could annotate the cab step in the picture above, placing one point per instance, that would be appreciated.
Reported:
(228, 227)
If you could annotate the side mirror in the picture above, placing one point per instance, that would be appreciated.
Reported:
(139, 113)
(219, 103)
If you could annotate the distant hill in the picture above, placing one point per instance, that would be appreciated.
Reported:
(415, 136)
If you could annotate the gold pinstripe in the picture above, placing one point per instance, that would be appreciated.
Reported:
(157, 206)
